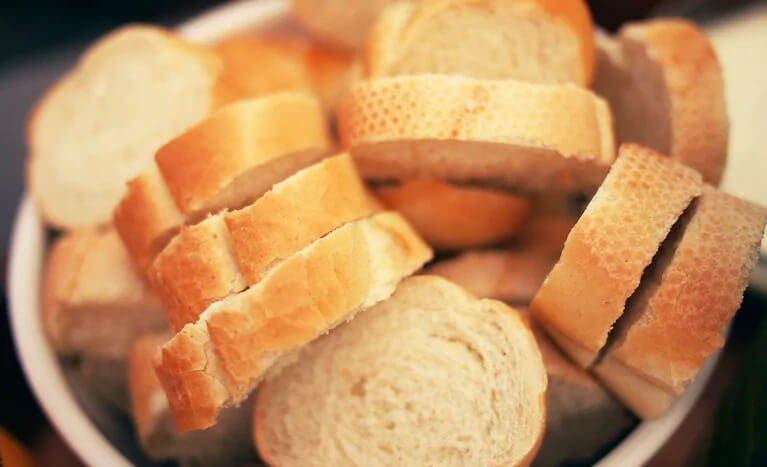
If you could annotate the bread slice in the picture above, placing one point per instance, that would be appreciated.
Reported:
(644, 398)
(431, 376)
(507, 275)
(93, 302)
(217, 361)
(665, 86)
(228, 252)
(540, 41)
(100, 124)
(226, 161)
(609, 248)
(677, 317)
(508, 133)
(453, 217)
(228, 443)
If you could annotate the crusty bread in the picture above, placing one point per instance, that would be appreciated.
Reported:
(453, 217)
(100, 124)
(228, 252)
(509, 133)
(541, 41)
(609, 248)
(676, 318)
(226, 161)
(93, 302)
(665, 86)
(218, 360)
(431, 376)
(228, 443)
(507, 275)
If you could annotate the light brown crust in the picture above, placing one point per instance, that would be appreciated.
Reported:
(611, 245)
(641, 396)
(451, 217)
(143, 383)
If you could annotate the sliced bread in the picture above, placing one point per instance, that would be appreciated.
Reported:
(508, 133)
(100, 125)
(451, 217)
(609, 248)
(229, 251)
(541, 41)
(665, 87)
(431, 376)
(217, 361)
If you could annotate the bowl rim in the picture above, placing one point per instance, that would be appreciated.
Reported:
(44, 373)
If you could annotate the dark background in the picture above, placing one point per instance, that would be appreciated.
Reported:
(41, 39)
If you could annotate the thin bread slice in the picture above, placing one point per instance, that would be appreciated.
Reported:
(677, 317)
(665, 86)
(453, 217)
(94, 304)
(430, 376)
(217, 361)
(508, 133)
(540, 41)
(609, 248)
(226, 161)
(101, 124)
(229, 251)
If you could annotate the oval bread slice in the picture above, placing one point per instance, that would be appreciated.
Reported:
(217, 361)
(431, 376)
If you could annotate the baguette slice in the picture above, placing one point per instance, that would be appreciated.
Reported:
(452, 217)
(228, 443)
(509, 133)
(228, 252)
(94, 304)
(226, 161)
(541, 41)
(676, 318)
(610, 247)
(217, 361)
(430, 376)
(665, 86)
(101, 123)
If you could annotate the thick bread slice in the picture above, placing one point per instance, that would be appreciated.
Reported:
(694, 287)
(665, 86)
(226, 161)
(217, 361)
(93, 302)
(431, 376)
(228, 443)
(452, 217)
(506, 275)
(609, 248)
(101, 123)
(228, 252)
(540, 41)
(509, 133)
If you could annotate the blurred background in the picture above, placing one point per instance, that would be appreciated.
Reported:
(39, 40)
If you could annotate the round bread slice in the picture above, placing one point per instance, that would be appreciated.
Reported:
(218, 360)
(540, 41)
(451, 217)
(508, 133)
(100, 125)
(229, 251)
(609, 248)
(431, 376)
(665, 86)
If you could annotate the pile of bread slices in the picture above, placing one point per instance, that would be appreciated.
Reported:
(249, 274)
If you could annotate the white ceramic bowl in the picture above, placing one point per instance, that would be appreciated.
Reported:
(76, 415)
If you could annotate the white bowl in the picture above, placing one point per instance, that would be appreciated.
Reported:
(76, 416)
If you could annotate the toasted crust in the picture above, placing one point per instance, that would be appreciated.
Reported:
(641, 396)
(227, 252)
(218, 360)
(451, 217)
(458, 129)
(143, 383)
(611, 245)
